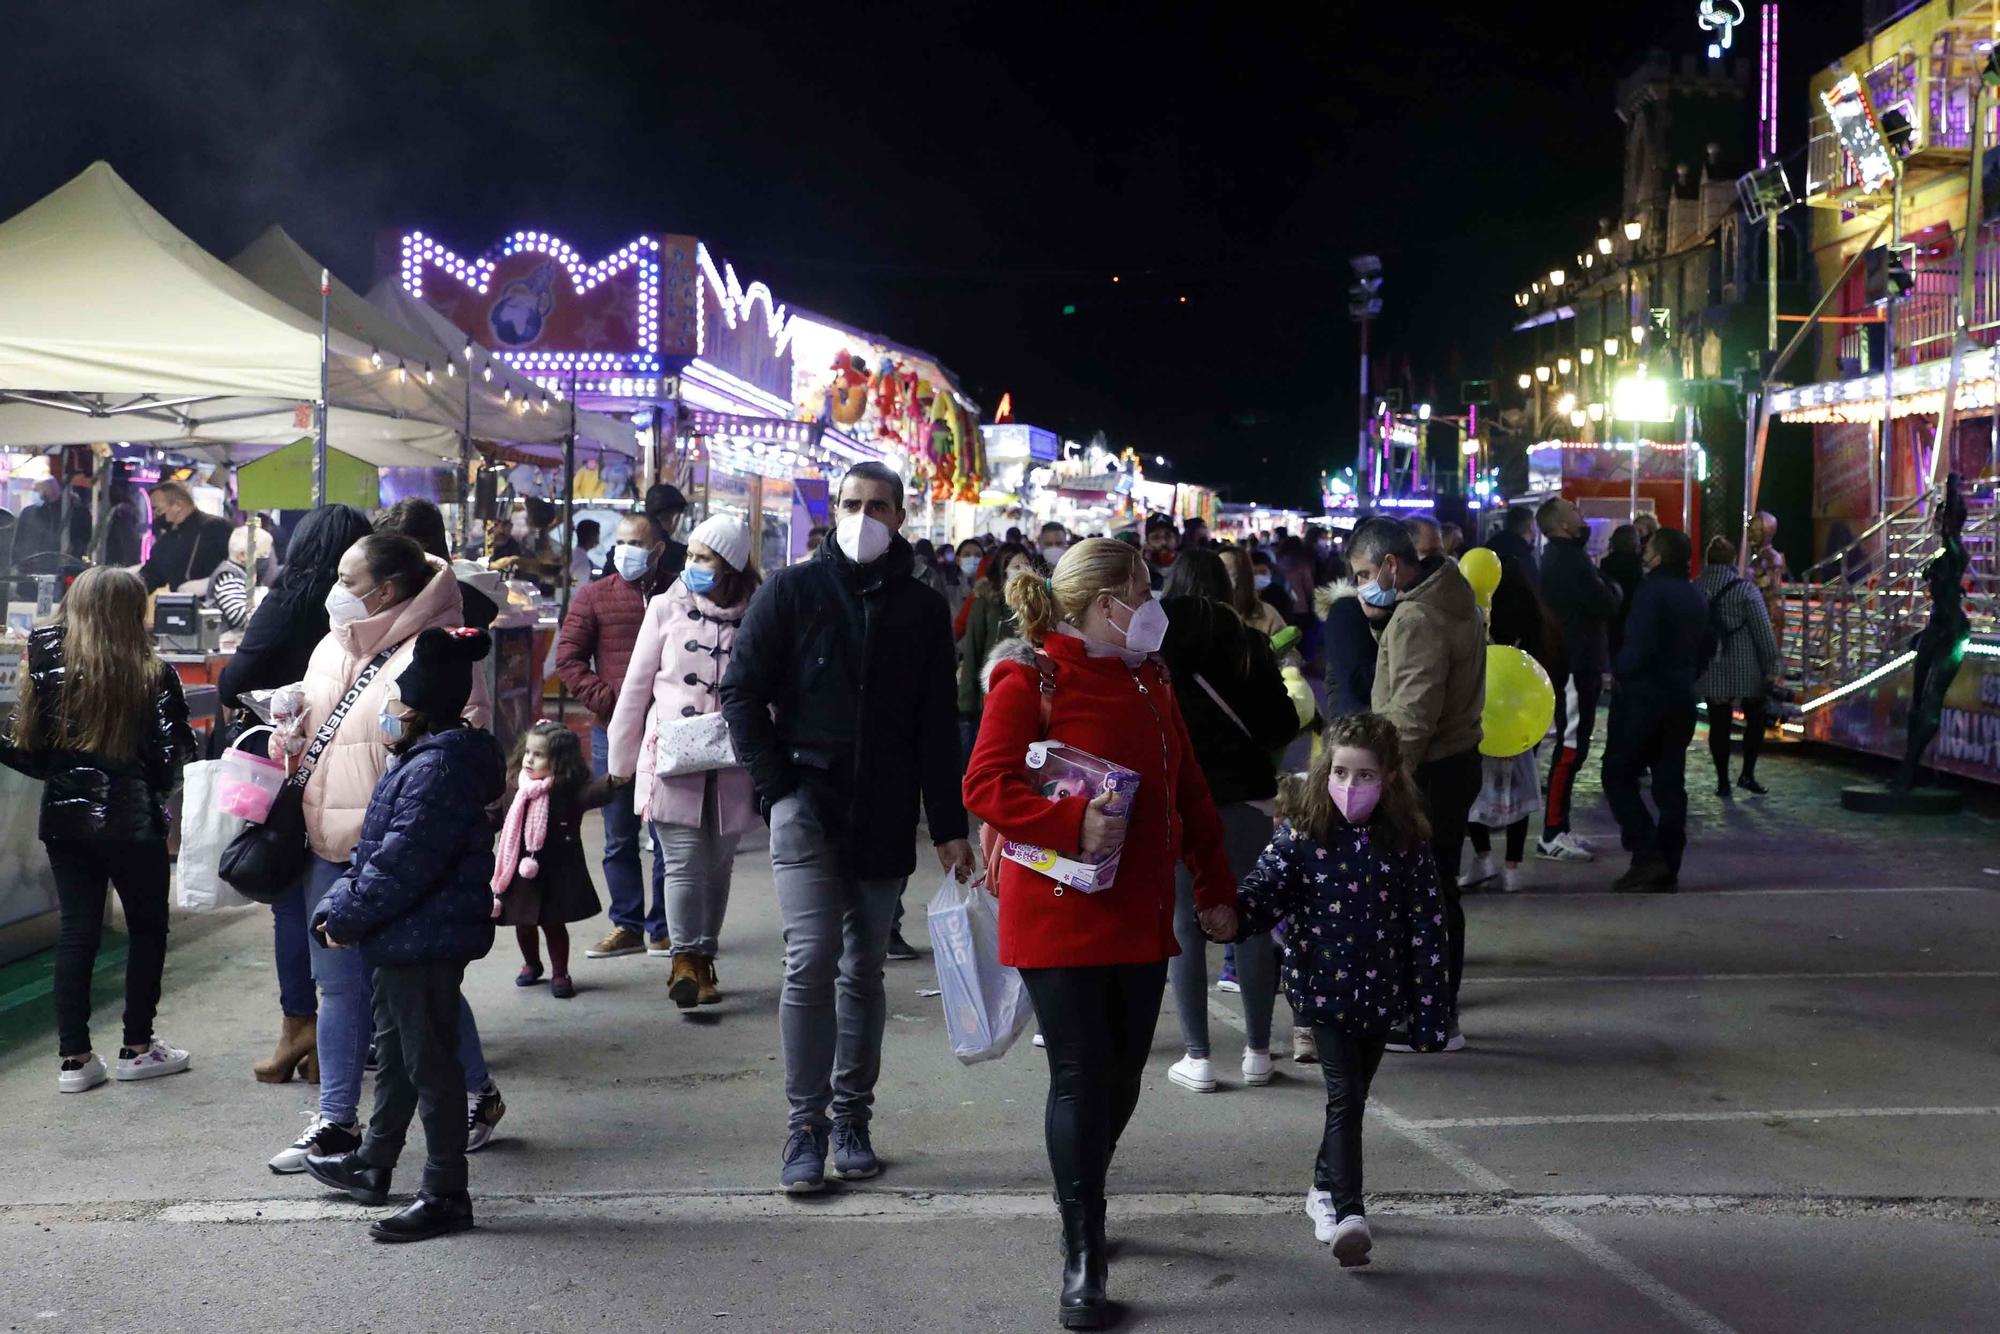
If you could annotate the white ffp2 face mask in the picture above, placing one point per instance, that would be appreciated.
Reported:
(862, 539)
(343, 606)
(1147, 629)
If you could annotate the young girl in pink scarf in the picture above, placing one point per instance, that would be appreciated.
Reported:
(540, 877)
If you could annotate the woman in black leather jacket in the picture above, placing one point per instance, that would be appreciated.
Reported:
(102, 723)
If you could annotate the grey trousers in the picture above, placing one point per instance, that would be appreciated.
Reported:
(696, 862)
(1245, 832)
(832, 1010)
(416, 1038)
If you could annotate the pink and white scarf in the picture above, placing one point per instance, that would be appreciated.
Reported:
(527, 828)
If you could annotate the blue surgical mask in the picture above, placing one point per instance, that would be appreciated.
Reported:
(392, 725)
(1260, 580)
(699, 579)
(1375, 595)
(631, 562)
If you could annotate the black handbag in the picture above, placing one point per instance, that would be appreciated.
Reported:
(263, 862)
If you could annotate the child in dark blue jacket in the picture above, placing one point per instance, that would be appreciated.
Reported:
(1351, 874)
(415, 901)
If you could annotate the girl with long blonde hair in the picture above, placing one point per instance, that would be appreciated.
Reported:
(103, 724)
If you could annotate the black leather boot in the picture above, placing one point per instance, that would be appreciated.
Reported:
(1083, 1266)
(1099, 1250)
(425, 1217)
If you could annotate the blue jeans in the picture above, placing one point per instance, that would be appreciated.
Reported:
(346, 1008)
(624, 875)
(347, 1014)
(291, 944)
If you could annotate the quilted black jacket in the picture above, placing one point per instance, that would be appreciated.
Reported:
(88, 795)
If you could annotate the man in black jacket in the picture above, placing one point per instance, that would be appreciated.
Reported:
(1652, 715)
(841, 699)
(1585, 604)
(190, 545)
(1516, 540)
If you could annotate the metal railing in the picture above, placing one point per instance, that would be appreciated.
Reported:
(1858, 608)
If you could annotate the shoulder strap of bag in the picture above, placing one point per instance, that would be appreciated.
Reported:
(1045, 667)
(1222, 704)
(324, 737)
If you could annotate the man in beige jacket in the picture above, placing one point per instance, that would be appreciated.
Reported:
(1430, 681)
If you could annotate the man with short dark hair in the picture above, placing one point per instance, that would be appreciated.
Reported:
(190, 543)
(841, 698)
(1426, 534)
(666, 507)
(1652, 715)
(1052, 541)
(1585, 604)
(1430, 681)
(1194, 533)
(1516, 541)
(593, 648)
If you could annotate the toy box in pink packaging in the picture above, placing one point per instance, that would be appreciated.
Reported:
(1058, 771)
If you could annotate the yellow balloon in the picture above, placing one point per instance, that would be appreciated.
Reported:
(1481, 569)
(1520, 702)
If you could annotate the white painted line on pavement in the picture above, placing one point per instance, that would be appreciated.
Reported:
(1645, 1118)
(1884, 975)
(1485, 1178)
(1780, 891)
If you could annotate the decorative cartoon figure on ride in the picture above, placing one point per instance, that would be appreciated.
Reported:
(1940, 645)
(524, 305)
(847, 396)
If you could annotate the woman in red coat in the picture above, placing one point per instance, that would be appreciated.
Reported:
(1095, 963)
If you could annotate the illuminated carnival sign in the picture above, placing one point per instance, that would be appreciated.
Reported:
(1854, 124)
(1721, 17)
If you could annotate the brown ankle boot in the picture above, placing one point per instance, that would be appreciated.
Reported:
(297, 1043)
(684, 987)
(710, 994)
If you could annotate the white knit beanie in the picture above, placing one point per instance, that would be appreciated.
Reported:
(725, 535)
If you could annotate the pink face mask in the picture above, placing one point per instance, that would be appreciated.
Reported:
(1355, 801)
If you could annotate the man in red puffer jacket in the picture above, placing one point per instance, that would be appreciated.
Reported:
(591, 654)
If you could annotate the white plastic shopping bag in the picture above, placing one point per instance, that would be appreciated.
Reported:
(986, 1004)
(206, 829)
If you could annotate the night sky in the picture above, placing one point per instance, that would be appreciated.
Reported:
(949, 176)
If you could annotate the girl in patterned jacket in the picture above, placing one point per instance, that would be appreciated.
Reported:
(1351, 874)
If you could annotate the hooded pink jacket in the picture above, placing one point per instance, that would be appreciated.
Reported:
(336, 796)
(657, 686)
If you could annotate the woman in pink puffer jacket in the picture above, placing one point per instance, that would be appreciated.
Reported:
(676, 672)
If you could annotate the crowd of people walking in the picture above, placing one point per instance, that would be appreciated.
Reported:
(877, 692)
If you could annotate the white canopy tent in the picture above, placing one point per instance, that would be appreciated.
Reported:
(497, 416)
(115, 326)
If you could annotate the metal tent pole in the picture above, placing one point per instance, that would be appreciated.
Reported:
(319, 440)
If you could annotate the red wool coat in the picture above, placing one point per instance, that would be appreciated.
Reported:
(594, 646)
(1128, 716)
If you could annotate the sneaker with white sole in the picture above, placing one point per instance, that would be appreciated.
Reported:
(1305, 1047)
(1256, 1067)
(1195, 1073)
(1040, 1042)
(1482, 869)
(1510, 880)
(158, 1059)
(88, 1073)
(1562, 848)
(1319, 1208)
(1352, 1241)
(322, 1137)
(483, 1111)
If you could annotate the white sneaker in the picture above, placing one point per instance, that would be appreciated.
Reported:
(322, 1137)
(1510, 880)
(1562, 848)
(86, 1076)
(1482, 869)
(1196, 1073)
(1319, 1208)
(1352, 1241)
(1039, 1042)
(158, 1059)
(1256, 1067)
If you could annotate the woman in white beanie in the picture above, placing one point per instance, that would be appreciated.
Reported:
(672, 686)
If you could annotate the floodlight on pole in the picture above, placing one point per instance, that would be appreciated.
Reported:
(1562, 365)
(1603, 245)
(1524, 379)
(1634, 230)
(1642, 398)
(1542, 374)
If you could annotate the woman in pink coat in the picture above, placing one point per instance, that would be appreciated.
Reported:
(386, 592)
(675, 674)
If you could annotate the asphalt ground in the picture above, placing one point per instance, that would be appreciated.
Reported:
(1768, 1102)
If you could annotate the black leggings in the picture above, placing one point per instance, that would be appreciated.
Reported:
(1719, 721)
(1348, 1062)
(83, 867)
(1097, 1024)
(1517, 839)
